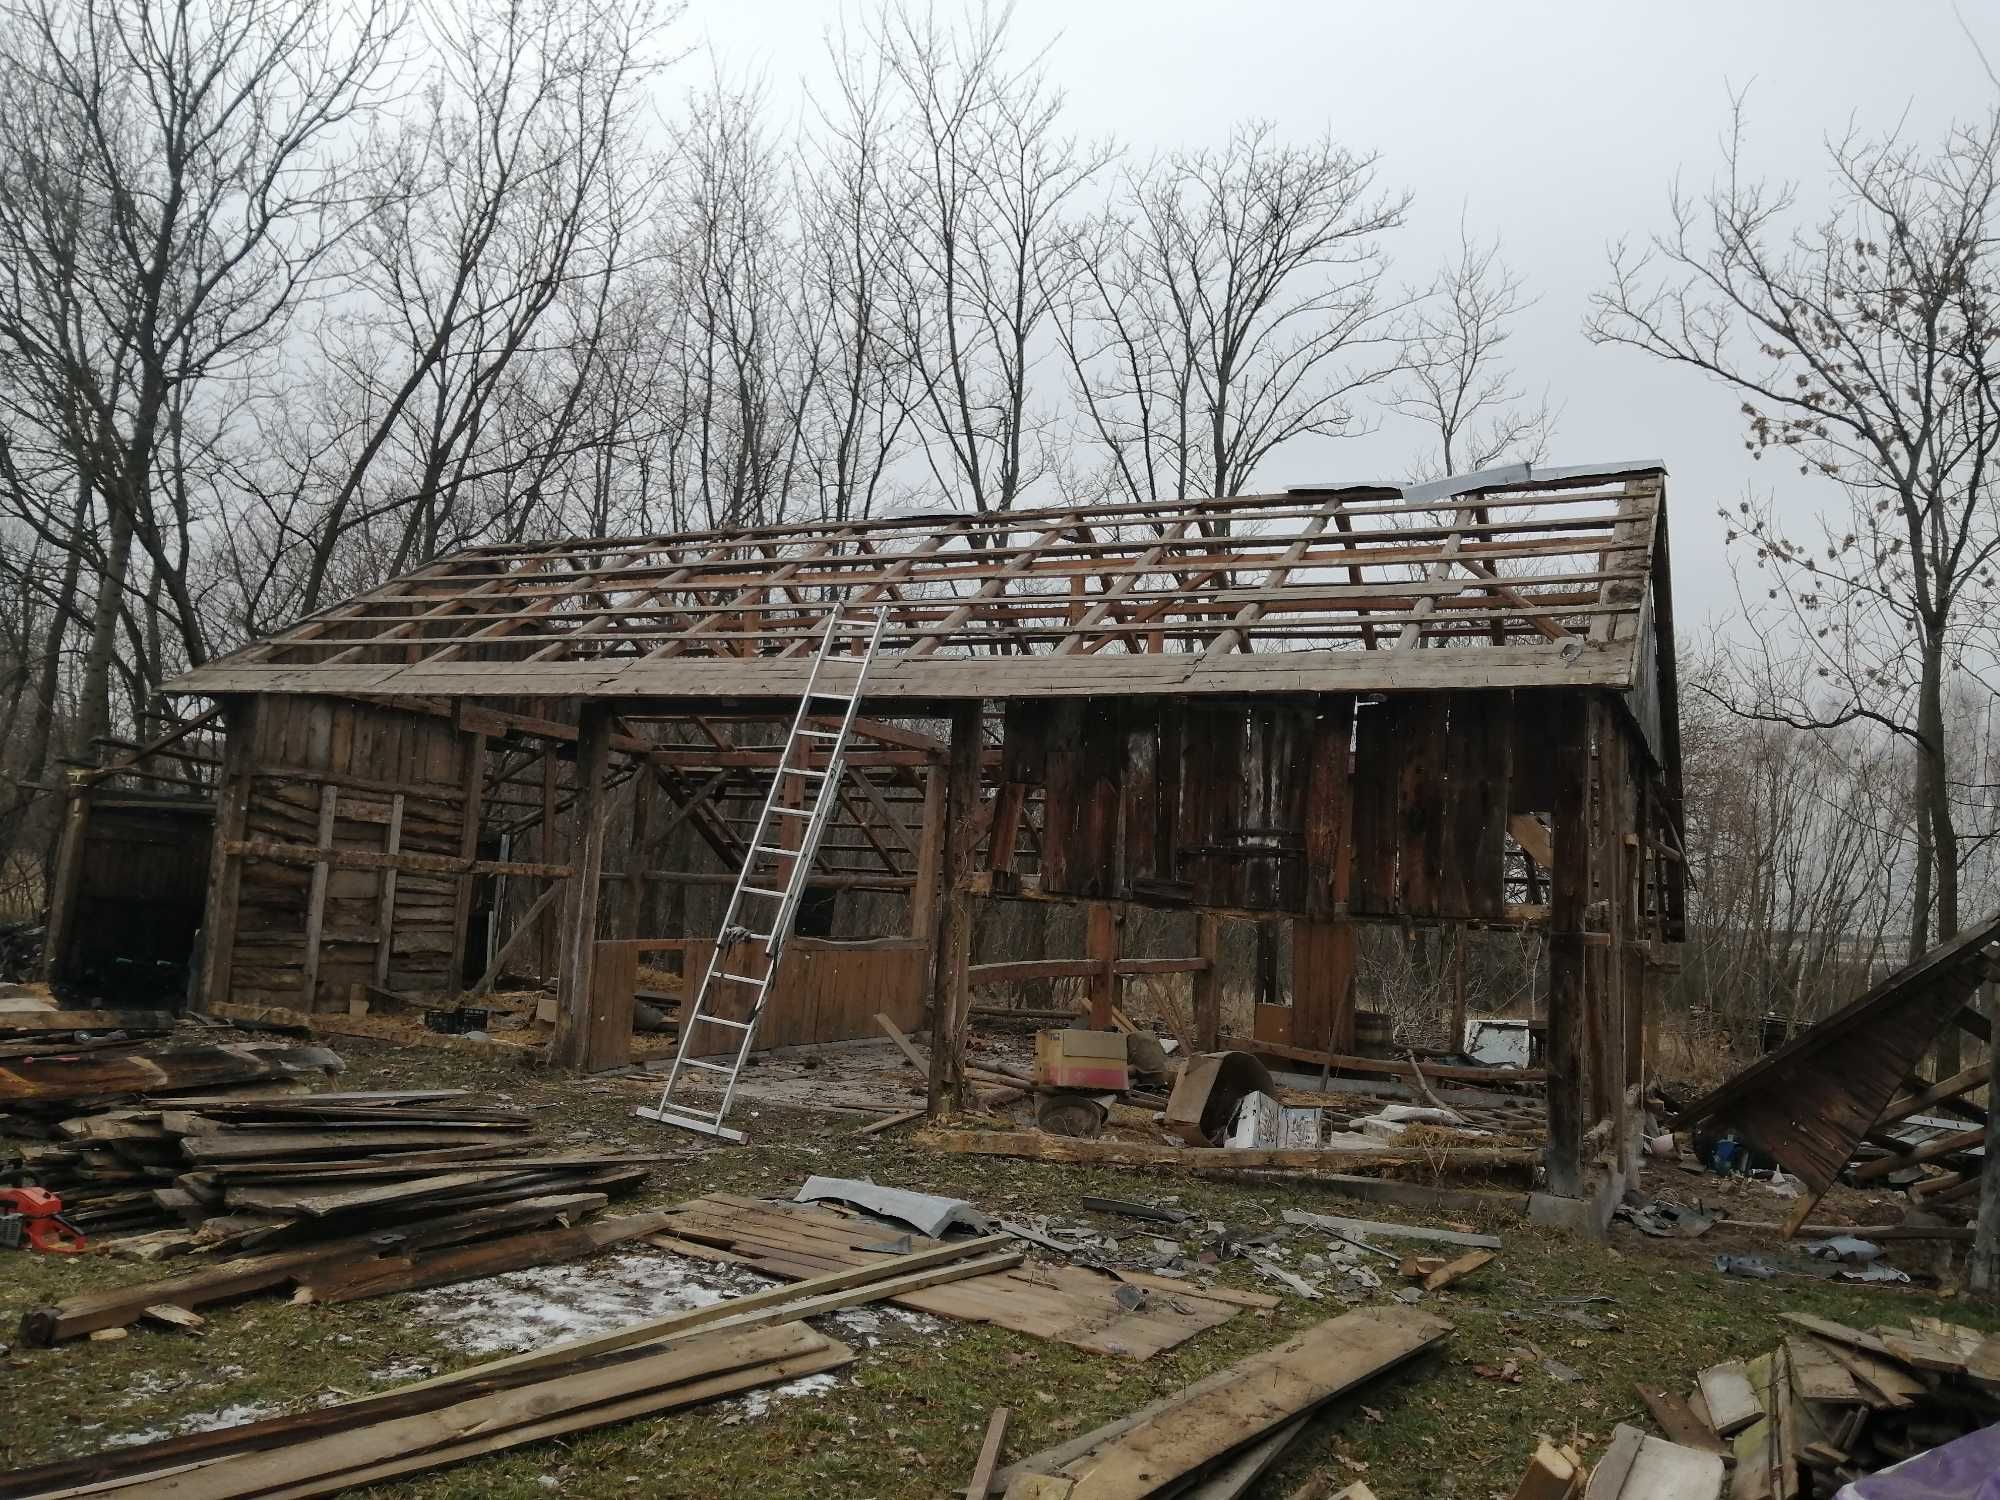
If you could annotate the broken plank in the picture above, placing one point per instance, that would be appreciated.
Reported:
(1553, 1474)
(1732, 1404)
(1451, 1271)
(981, 1484)
(1678, 1421)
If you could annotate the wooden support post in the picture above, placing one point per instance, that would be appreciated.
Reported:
(473, 748)
(1614, 858)
(951, 932)
(1568, 988)
(385, 905)
(1101, 948)
(68, 882)
(1208, 982)
(578, 936)
(551, 946)
(930, 856)
(225, 870)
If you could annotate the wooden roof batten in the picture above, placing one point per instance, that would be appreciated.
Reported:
(1518, 577)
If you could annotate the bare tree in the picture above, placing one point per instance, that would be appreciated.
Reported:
(168, 196)
(1455, 380)
(988, 175)
(1227, 303)
(1862, 347)
(513, 180)
(737, 370)
(854, 219)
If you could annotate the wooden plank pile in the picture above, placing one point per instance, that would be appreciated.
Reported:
(1086, 1309)
(687, 1357)
(1831, 1404)
(343, 1195)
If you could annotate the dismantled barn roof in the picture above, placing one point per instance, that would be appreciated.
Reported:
(1525, 577)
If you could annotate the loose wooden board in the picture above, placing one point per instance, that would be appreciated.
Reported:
(1266, 1391)
(1640, 1467)
(1732, 1403)
(319, 1464)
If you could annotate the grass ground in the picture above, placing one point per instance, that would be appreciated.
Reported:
(907, 1418)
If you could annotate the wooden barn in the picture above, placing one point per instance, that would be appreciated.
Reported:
(1444, 703)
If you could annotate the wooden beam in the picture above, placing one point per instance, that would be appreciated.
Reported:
(1101, 943)
(951, 934)
(1570, 892)
(570, 1045)
(522, 928)
(1208, 982)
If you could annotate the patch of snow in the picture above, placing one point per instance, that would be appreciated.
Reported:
(401, 1371)
(526, 1309)
(233, 1415)
(755, 1403)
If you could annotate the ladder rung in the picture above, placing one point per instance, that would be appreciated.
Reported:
(739, 978)
(793, 812)
(802, 771)
(719, 1021)
(773, 849)
(706, 1067)
(758, 890)
(820, 734)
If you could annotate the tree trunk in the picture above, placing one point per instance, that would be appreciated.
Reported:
(1934, 814)
(95, 695)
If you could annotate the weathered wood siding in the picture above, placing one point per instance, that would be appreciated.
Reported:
(1390, 806)
(371, 757)
(828, 991)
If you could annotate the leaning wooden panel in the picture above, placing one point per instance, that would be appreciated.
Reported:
(1812, 1101)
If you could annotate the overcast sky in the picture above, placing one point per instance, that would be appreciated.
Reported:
(1557, 126)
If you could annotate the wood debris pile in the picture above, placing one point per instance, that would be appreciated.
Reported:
(1832, 1404)
(212, 1150)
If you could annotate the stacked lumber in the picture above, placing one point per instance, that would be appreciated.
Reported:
(1215, 1437)
(32, 1027)
(1831, 1404)
(676, 1361)
(342, 1195)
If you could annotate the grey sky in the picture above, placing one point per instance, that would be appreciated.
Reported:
(1556, 125)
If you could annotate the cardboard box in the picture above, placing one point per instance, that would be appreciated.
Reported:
(1078, 1059)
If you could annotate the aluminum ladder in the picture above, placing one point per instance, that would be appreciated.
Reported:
(765, 901)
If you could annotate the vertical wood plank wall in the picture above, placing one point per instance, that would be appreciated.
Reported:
(296, 769)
